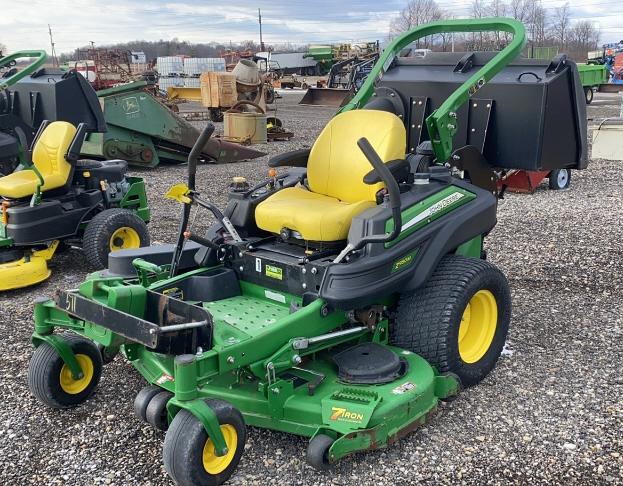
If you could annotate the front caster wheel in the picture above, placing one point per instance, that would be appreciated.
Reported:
(318, 452)
(156, 411)
(50, 379)
(142, 400)
(189, 455)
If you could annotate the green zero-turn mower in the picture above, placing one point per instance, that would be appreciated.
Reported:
(58, 199)
(49, 196)
(340, 300)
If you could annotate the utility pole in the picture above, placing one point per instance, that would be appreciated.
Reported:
(259, 16)
(54, 59)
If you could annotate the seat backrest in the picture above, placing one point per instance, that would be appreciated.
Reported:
(336, 165)
(49, 154)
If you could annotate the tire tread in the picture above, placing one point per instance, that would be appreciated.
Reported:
(425, 318)
(96, 240)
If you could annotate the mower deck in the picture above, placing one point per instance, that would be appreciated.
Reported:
(29, 270)
(311, 398)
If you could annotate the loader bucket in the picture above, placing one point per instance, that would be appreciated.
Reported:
(326, 97)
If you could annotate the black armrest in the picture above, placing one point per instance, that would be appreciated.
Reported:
(295, 158)
(399, 168)
(73, 153)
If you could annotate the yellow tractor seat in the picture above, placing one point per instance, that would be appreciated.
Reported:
(49, 158)
(335, 170)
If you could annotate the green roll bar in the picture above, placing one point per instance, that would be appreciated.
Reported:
(40, 58)
(442, 123)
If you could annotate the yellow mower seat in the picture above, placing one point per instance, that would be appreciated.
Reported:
(335, 171)
(49, 159)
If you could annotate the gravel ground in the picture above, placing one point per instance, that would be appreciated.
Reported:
(550, 413)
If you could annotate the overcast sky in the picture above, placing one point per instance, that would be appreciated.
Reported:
(77, 22)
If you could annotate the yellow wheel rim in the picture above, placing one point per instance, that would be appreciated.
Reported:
(214, 464)
(71, 386)
(478, 324)
(124, 237)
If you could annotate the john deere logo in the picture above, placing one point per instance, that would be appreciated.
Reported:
(273, 272)
(130, 105)
(403, 262)
(343, 415)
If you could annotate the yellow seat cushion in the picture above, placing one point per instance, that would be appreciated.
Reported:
(335, 171)
(315, 216)
(19, 184)
(49, 158)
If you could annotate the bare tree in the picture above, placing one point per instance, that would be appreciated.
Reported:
(561, 23)
(417, 12)
(537, 23)
(584, 37)
(478, 11)
(497, 8)
(519, 9)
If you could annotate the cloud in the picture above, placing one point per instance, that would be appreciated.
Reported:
(77, 22)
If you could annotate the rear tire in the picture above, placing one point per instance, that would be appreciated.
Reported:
(111, 230)
(436, 323)
(559, 179)
(50, 380)
(188, 453)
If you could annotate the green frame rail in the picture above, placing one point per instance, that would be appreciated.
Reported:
(40, 58)
(442, 123)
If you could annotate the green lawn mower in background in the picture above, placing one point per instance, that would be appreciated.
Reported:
(59, 199)
(50, 197)
(342, 299)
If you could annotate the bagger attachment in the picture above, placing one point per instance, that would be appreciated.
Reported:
(32, 94)
(528, 114)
